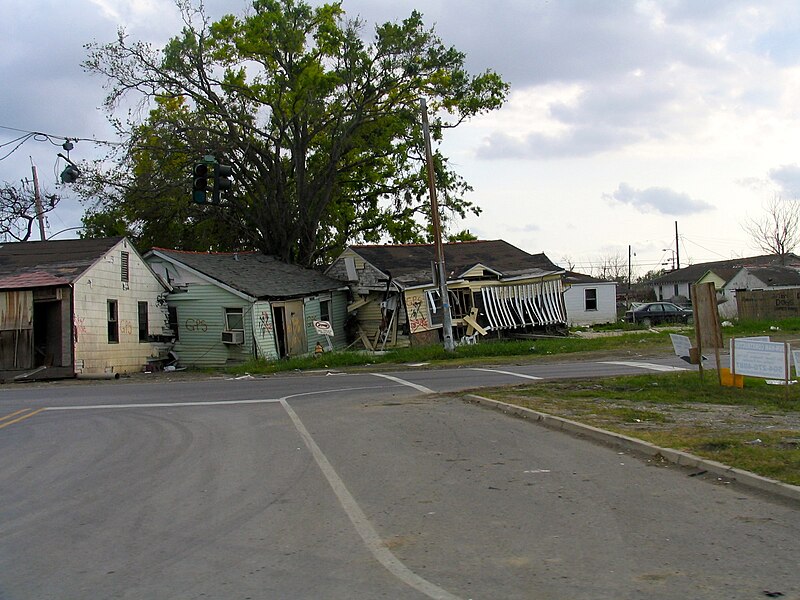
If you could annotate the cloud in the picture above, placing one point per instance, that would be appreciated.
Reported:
(657, 199)
(787, 178)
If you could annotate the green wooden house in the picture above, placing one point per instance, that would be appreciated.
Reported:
(226, 308)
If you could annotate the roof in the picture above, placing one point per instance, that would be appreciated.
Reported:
(253, 273)
(411, 263)
(724, 268)
(25, 265)
(572, 278)
(776, 276)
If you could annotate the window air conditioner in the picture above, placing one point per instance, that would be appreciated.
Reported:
(233, 337)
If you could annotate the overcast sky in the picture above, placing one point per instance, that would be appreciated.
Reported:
(623, 117)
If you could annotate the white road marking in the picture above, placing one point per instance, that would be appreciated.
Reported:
(643, 365)
(360, 521)
(164, 404)
(506, 373)
(416, 386)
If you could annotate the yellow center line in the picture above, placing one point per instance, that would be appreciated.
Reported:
(14, 414)
(17, 420)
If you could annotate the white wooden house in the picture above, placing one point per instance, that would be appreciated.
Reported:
(77, 307)
(589, 301)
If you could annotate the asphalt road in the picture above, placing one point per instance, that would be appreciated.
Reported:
(356, 486)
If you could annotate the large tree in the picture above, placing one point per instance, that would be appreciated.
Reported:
(322, 127)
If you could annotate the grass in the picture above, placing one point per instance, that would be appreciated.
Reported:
(756, 428)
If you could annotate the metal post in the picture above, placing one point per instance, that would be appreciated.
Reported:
(447, 318)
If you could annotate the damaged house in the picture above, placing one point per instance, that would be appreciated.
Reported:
(87, 307)
(495, 289)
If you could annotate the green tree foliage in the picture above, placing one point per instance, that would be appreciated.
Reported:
(322, 128)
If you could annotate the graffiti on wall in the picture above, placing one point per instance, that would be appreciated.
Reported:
(126, 328)
(265, 323)
(418, 320)
(196, 325)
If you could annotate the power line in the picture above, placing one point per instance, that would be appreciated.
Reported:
(40, 136)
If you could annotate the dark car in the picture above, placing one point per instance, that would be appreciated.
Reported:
(654, 313)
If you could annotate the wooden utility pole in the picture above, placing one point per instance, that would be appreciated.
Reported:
(447, 318)
(37, 197)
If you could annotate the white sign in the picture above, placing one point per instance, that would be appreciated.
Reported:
(323, 328)
(767, 360)
(796, 357)
(682, 344)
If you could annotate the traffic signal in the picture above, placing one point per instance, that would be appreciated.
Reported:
(70, 174)
(222, 181)
(200, 181)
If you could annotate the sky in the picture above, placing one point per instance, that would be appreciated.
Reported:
(623, 118)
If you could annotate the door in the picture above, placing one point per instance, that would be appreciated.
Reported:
(290, 327)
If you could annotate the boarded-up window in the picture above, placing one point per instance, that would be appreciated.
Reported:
(125, 266)
(113, 322)
(143, 326)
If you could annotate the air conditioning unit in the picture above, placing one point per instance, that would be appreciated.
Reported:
(233, 337)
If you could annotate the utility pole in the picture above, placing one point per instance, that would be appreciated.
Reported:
(447, 318)
(37, 197)
(677, 250)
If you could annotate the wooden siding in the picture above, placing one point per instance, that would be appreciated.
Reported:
(264, 331)
(92, 291)
(201, 321)
(338, 314)
(16, 329)
(575, 302)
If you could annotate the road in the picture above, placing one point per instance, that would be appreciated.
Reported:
(351, 486)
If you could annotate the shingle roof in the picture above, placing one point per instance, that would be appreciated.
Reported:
(49, 263)
(776, 276)
(253, 273)
(411, 263)
(724, 268)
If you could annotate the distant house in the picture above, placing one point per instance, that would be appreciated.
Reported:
(589, 301)
(676, 285)
(77, 307)
(493, 287)
(757, 279)
(229, 307)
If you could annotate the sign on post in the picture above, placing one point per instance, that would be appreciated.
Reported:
(767, 360)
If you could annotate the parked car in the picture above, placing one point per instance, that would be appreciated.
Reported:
(654, 313)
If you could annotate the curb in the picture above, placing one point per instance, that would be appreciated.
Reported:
(684, 459)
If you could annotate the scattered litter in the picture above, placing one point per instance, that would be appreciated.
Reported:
(245, 376)
(755, 441)
(420, 364)
(780, 382)
(775, 328)
(698, 473)
(727, 324)
(537, 471)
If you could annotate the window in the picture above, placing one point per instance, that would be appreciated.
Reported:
(143, 328)
(172, 319)
(124, 265)
(325, 310)
(590, 298)
(676, 289)
(234, 319)
(113, 324)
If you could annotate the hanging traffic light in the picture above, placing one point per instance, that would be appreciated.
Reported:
(222, 181)
(70, 174)
(200, 179)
